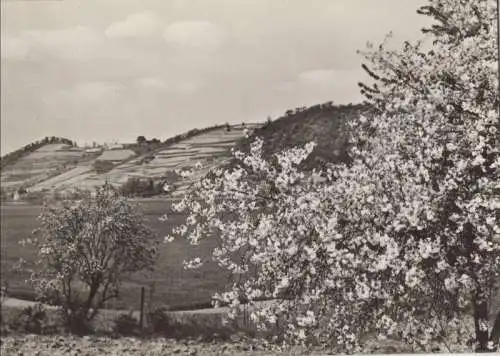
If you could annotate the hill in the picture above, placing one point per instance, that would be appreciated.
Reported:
(12, 157)
(50, 167)
(40, 161)
(56, 167)
(325, 124)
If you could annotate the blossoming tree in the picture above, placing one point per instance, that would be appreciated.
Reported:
(439, 127)
(85, 249)
(402, 242)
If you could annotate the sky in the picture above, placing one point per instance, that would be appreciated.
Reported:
(111, 70)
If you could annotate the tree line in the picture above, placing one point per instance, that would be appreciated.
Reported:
(31, 147)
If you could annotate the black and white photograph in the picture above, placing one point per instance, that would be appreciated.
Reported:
(249, 177)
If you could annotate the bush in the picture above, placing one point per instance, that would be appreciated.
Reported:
(3, 195)
(127, 325)
(34, 197)
(31, 320)
(77, 194)
(204, 327)
(77, 322)
(103, 166)
(22, 190)
(141, 187)
(159, 321)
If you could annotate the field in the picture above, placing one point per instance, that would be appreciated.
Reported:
(116, 155)
(58, 168)
(171, 284)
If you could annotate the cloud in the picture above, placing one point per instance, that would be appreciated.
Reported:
(151, 82)
(14, 48)
(177, 86)
(139, 25)
(79, 42)
(285, 86)
(94, 91)
(194, 34)
(188, 87)
(85, 93)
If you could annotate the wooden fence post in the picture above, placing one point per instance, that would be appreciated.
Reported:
(141, 320)
(245, 315)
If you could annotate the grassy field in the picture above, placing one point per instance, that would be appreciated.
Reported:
(173, 286)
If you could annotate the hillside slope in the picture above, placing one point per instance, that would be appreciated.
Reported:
(63, 169)
(47, 161)
(324, 124)
(58, 168)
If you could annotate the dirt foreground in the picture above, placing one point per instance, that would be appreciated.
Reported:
(70, 345)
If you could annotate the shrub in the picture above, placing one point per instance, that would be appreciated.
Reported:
(127, 325)
(76, 194)
(159, 321)
(85, 249)
(103, 166)
(3, 195)
(31, 320)
(34, 197)
(22, 190)
(142, 187)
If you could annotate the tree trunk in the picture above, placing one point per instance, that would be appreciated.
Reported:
(479, 300)
(481, 321)
(94, 288)
(495, 333)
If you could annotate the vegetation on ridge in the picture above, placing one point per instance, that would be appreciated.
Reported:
(325, 124)
(12, 157)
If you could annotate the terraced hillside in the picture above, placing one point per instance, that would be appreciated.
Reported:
(46, 162)
(60, 168)
(56, 168)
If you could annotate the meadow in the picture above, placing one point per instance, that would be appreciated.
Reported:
(168, 285)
